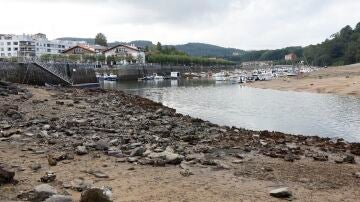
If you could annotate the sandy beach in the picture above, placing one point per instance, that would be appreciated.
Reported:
(344, 80)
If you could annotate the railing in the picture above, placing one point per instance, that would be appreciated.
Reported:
(50, 67)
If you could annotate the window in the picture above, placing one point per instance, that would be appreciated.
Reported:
(16, 49)
(48, 50)
(16, 43)
(2, 54)
(37, 49)
(9, 54)
(9, 49)
(9, 43)
(1, 43)
(2, 49)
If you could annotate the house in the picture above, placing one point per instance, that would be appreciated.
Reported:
(32, 45)
(79, 50)
(290, 57)
(127, 53)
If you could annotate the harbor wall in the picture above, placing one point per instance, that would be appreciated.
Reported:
(28, 73)
(132, 72)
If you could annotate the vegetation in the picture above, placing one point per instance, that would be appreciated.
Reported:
(169, 55)
(100, 39)
(267, 55)
(342, 48)
(201, 50)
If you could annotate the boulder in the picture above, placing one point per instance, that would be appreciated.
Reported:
(42, 192)
(95, 195)
(6, 175)
(81, 150)
(281, 193)
(59, 198)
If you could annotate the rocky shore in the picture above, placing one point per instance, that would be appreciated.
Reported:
(65, 144)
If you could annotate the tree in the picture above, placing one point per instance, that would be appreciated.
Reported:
(100, 39)
(159, 47)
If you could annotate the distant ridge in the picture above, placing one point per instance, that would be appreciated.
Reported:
(202, 49)
(192, 49)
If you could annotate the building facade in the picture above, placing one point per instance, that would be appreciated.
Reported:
(290, 57)
(32, 45)
(125, 51)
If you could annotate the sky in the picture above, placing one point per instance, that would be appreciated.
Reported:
(243, 24)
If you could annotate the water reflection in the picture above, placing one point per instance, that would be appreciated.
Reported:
(258, 109)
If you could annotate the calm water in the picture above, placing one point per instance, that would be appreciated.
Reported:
(233, 105)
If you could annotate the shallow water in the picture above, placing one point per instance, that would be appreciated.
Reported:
(258, 109)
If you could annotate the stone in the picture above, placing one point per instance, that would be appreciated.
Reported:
(35, 167)
(186, 172)
(48, 177)
(81, 150)
(6, 175)
(237, 161)
(59, 198)
(321, 157)
(168, 155)
(79, 184)
(289, 157)
(139, 151)
(95, 195)
(101, 145)
(349, 159)
(281, 193)
(42, 192)
(98, 174)
(51, 160)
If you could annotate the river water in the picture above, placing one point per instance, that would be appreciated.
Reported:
(303, 113)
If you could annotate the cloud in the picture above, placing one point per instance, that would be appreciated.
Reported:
(245, 24)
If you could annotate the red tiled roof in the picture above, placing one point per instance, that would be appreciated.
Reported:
(79, 46)
(123, 45)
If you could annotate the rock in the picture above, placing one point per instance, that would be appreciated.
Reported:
(42, 192)
(102, 145)
(95, 195)
(48, 177)
(281, 193)
(81, 150)
(59, 198)
(139, 151)
(290, 157)
(51, 160)
(349, 159)
(60, 103)
(237, 161)
(357, 174)
(98, 174)
(321, 157)
(79, 184)
(186, 172)
(6, 175)
(168, 155)
(35, 167)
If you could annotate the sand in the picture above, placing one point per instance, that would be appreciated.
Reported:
(344, 80)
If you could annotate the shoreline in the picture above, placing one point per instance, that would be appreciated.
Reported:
(148, 152)
(344, 80)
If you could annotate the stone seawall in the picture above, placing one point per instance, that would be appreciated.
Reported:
(132, 72)
(32, 74)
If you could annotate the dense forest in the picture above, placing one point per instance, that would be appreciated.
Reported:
(266, 55)
(342, 48)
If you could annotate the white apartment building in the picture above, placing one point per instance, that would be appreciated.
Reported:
(32, 45)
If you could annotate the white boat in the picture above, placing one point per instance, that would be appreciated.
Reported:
(222, 76)
(111, 77)
(158, 77)
(107, 77)
(175, 75)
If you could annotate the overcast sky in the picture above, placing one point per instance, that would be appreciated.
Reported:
(244, 24)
